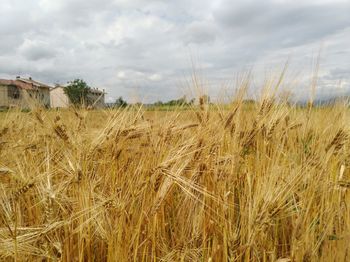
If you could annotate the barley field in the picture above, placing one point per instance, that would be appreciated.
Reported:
(264, 182)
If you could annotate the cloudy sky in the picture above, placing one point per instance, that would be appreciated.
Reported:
(146, 49)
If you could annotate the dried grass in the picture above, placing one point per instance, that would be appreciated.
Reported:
(245, 182)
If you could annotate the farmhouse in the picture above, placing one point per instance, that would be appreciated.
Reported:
(95, 98)
(23, 93)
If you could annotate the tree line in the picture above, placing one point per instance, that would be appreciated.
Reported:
(78, 90)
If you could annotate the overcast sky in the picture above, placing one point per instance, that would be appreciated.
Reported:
(143, 48)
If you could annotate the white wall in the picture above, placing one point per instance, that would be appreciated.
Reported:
(58, 98)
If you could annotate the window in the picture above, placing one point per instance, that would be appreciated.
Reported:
(13, 92)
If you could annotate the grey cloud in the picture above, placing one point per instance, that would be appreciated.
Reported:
(286, 24)
(36, 50)
(200, 33)
(130, 46)
(338, 74)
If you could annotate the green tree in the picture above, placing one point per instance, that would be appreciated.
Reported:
(120, 102)
(191, 102)
(77, 92)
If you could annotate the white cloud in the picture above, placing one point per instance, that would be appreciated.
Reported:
(147, 45)
(121, 75)
(155, 77)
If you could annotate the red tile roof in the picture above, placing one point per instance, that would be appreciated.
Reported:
(22, 83)
(34, 83)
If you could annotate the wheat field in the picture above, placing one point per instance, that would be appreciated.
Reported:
(264, 182)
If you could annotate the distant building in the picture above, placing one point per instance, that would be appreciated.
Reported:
(58, 98)
(95, 97)
(23, 93)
